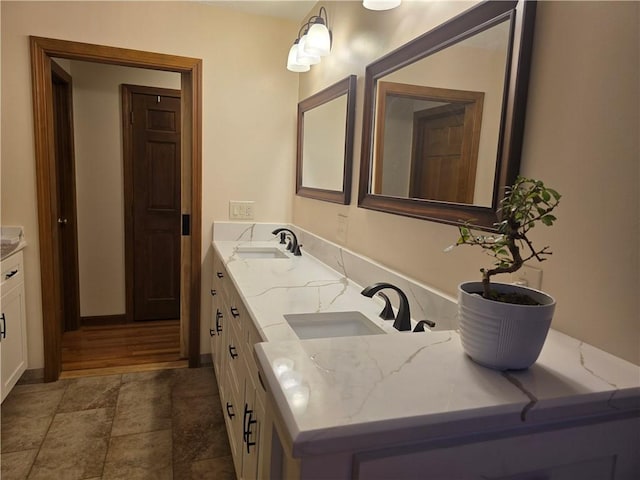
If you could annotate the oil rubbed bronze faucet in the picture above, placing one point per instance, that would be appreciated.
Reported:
(403, 319)
(293, 245)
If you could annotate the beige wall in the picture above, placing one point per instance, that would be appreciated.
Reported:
(99, 179)
(249, 110)
(581, 137)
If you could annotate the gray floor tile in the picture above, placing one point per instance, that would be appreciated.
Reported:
(27, 413)
(16, 465)
(194, 382)
(89, 393)
(75, 446)
(140, 456)
(152, 375)
(144, 404)
(148, 425)
(198, 429)
(220, 468)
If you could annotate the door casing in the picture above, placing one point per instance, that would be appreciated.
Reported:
(190, 69)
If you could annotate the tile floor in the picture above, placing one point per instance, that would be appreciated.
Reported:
(164, 424)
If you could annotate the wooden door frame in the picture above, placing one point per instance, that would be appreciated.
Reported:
(126, 94)
(71, 274)
(190, 69)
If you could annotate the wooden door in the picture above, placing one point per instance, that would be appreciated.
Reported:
(156, 148)
(66, 197)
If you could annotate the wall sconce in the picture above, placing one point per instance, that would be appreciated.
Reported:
(381, 4)
(313, 42)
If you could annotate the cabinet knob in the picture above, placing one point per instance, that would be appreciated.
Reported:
(220, 275)
(212, 332)
(213, 292)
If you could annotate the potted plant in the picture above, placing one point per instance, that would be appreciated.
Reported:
(504, 326)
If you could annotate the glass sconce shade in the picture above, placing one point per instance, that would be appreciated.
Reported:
(304, 58)
(292, 61)
(318, 41)
(381, 4)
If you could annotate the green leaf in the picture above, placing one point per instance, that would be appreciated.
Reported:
(548, 220)
(555, 194)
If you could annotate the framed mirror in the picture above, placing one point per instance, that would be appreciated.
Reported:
(325, 143)
(444, 117)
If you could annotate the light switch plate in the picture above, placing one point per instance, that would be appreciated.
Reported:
(241, 210)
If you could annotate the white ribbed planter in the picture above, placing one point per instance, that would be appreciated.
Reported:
(503, 336)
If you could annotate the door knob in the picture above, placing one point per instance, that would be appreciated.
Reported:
(62, 221)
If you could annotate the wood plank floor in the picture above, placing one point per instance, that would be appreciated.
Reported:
(121, 348)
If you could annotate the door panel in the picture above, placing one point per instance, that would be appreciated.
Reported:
(156, 206)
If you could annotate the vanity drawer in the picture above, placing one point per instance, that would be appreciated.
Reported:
(11, 270)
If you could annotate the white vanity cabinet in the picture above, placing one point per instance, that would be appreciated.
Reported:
(241, 392)
(13, 328)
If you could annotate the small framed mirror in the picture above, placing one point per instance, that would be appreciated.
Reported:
(444, 117)
(326, 123)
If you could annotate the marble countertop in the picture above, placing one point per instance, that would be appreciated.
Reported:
(349, 393)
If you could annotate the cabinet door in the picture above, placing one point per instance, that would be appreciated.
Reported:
(14, 341)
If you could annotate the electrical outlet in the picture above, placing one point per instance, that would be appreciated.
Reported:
(240, 210)
(528, 276)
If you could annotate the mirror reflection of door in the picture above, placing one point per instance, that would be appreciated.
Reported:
(443, 163)
(427, 146)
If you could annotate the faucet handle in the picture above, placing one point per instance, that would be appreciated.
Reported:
(387, 312)
(296, 251)
(283, 236)
(420, 326)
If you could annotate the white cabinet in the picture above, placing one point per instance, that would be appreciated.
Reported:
(241, 392)
(13, 334)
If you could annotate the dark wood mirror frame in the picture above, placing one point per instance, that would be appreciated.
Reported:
(522, 16)
(344, 87)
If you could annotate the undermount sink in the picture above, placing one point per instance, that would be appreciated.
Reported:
(331, 324)
(260, 252)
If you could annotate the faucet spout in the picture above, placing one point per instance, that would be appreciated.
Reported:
(293, 245)
(403, 319)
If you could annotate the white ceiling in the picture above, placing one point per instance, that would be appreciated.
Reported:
(290, 9)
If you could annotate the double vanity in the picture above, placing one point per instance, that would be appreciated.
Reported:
(314, 384)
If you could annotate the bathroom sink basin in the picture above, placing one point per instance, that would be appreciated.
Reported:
(331, 324)
(260, 252)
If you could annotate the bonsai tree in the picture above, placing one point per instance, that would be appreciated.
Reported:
(527, 202)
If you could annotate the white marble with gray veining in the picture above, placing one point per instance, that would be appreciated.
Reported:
(355, 393)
